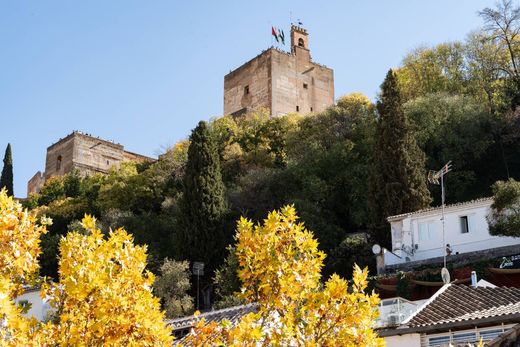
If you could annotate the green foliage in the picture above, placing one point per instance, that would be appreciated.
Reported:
(504, 218)
(227, 283)
(354, 249)
(403, 286)
(53, 190)
(398, 179)
(460, 129)
(199, 235)
(172, 286)
(72, 184)
(6, 179)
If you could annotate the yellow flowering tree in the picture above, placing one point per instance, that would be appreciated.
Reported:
(280, 267)
(104, 296)
(19, 250)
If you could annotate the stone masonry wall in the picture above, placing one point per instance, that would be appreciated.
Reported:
(84, 153)
(280, 81)
(256, 75)
(299, 85)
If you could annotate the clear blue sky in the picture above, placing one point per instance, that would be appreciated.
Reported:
(142, 73)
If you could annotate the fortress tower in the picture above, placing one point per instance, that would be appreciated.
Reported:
(281, 82)
(82, 152)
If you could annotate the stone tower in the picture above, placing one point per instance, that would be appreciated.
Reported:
(82, 152)
(281, 82)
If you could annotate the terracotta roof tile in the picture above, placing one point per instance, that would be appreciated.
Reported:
(464, 303)
(233, 314)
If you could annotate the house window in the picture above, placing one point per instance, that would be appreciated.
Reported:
(297, 108)
(305, 86)
(108, 162)
(58, 163)
(464, 338)
(439, 341)
(246, 90)
(426, 231)
(467, 224)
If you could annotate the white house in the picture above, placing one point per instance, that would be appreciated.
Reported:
(458, 315)
(418, 235)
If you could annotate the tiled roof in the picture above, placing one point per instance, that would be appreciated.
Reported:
(457, 303)
(402, 215)
(232, 314)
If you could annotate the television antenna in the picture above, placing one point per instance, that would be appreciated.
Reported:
(437, 177)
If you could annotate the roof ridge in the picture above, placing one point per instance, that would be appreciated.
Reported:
(432, 208)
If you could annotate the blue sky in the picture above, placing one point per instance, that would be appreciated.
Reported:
(142, 73)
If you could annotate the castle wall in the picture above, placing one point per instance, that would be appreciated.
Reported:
(256, 76)
(87, 154)
(93, 155)
(59, 158)
(130, 156)
(299, 85)
(36, 182)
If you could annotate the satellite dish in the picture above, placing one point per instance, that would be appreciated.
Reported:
(445, 274)
(376, 249)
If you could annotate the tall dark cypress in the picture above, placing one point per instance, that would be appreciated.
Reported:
(199, 234)
(6, 179)
(398, 177)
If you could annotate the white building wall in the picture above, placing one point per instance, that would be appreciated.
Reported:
(409, 340)
(38, 308)
(418, 236)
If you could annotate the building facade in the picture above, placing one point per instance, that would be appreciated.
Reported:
(82, 152)
(459, 315)
(417, 237)
(280, 82)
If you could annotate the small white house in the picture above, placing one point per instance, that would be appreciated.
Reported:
(418, 235)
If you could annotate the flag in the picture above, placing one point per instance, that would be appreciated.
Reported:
(282, 36)
(274, 33)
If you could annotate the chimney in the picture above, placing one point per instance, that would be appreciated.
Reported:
(473, 279)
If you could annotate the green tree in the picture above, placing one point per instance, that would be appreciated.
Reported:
(6, 180)
(72, 184)
(227, 283)
(199, 234)
(504, 218)
(172, 285)
(398, 178)
(458, 128)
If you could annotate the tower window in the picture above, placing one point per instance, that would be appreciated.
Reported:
(58, 163)
(305, 86)
(246, 90)
(300, 42)
(297, 108)
(311, 108)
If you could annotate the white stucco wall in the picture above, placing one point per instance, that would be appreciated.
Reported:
(38, 305)
(409, 242)
(409, 340)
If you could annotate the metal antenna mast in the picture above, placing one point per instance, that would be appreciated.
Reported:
(433, 178)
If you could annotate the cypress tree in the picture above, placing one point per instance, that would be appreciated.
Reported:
(398, 177)
(6, 180)
(199, 234)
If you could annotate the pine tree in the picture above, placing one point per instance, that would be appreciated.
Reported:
(6, 180)
(199, 234)
(398, 178)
